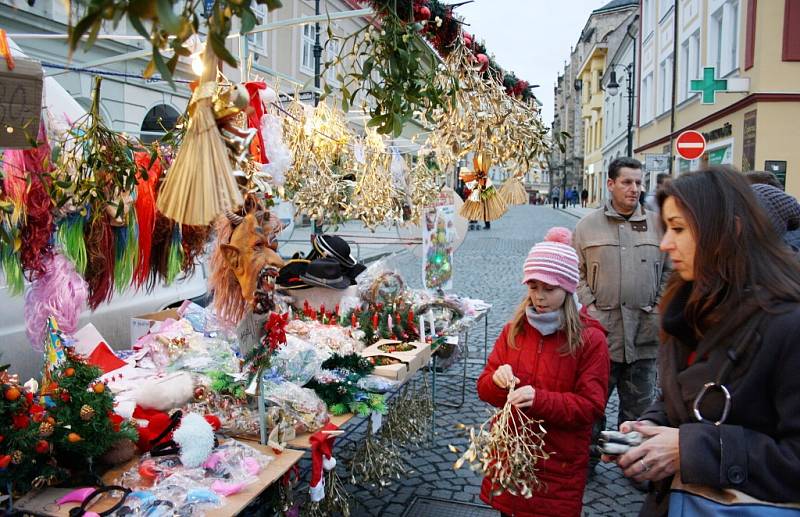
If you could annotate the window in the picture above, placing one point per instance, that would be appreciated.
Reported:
(646, 107)
(647, 17)
(307, 47)
(331, 55)
(665, 85)
(663, 7)
(258, 41)
(690, 65)
(724, 38)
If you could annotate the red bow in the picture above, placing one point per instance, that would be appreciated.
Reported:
(276, 329)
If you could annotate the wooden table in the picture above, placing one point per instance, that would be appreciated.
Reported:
(303, 441)
(43, 502)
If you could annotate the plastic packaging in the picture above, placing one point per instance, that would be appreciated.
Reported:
(302, 404)
(298, 361)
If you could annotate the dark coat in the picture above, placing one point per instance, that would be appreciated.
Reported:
(570, 396)
(757, 449)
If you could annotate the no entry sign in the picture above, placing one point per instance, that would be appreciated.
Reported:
(690, 145)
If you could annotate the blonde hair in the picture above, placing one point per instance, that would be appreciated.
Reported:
(572, 327)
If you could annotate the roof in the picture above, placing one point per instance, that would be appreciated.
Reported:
(616, 4)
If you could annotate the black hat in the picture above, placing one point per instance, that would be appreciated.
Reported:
(289, 276)
(353, 272)
(325, 272)
(332, 246)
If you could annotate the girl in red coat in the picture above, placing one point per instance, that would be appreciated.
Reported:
(556, 356)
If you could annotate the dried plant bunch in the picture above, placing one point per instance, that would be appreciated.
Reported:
(507, 448)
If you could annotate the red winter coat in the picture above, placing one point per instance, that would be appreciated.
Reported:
(570, 396)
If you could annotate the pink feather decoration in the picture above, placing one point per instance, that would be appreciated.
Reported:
(60, 292)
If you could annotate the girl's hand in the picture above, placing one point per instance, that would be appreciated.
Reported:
(658, 457)
(522, 397)
(504, 376)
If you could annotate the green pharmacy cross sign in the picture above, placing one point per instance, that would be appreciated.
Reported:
(709, 85)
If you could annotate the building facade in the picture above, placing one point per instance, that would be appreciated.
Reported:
(753, 45)
(579, 100)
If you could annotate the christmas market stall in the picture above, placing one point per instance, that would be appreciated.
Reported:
(212, 403)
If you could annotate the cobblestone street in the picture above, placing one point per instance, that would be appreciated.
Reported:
(487, 266)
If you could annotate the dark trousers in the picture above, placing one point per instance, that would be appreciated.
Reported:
(636, 387)
(555, 202)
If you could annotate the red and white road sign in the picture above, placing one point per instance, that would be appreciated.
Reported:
(690, 145)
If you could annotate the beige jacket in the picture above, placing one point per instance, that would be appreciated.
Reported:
(623, 273)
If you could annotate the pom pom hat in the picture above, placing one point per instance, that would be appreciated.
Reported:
(553, 261)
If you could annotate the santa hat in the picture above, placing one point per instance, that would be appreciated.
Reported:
(321, 457)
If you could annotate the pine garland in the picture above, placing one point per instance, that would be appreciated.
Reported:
(345, 396)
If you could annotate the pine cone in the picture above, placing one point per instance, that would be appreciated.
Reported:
(45, 429)
(87, 412)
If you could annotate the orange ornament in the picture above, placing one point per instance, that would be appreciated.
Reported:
(12, 394)
(99, 387)
(69, 372)
(74, 437)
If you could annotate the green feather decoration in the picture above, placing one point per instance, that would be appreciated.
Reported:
(70, 237)
(175, 256)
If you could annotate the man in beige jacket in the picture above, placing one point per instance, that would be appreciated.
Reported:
(622, 274)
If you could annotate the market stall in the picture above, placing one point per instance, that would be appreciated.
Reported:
(208, 406)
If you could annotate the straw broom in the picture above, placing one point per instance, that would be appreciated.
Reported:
(513, 192)
(200, 184)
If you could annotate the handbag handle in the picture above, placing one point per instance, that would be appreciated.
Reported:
(733, 356)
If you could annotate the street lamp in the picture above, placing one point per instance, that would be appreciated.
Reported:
(613, 89)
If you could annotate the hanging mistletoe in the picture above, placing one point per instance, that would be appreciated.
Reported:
(167, 24)
(393, 67)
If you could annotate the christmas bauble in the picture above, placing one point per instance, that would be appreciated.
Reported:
(483, 62)
(45, 429)
(5, 459)
(12, 393)
(467, 39)
(65, 396)
(99, 387)
(87, 412)
(42, 447)
(69, 372)
(73, 437)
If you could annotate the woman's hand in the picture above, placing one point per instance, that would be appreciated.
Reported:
(522, 397)
(658, 456)
(504, 377)
(626, 427)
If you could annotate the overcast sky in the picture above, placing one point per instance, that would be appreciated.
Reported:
(532, 38)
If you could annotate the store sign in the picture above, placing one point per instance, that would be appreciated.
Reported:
(720, 132)
(749, 141)
(656, 162)
(721, 156)
(709, 85)
(778, 168)
(20, 102)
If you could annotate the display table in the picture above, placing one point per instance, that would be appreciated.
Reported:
(43, 502)
(303, 441)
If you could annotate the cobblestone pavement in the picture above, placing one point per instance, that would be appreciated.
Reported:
(487, 266)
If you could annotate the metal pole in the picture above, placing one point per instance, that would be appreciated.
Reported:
(317, 228)
(631, 78)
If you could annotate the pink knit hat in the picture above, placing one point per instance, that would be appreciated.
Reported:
(553, 261)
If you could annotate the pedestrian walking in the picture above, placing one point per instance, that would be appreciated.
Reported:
(551, 360)
(555, 194)
(584, 198)
(573, 197)
(622, 271)
(731, 319)
(783, 212)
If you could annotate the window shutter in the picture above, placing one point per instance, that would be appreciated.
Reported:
(791, 36)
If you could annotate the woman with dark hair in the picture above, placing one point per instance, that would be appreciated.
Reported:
(729, 367)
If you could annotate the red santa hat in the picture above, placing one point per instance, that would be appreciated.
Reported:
(321, 458)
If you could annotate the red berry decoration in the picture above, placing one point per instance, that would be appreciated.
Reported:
(422, 14)
(12, 394)
(467, 39)
(65, 396)
(42, 447)
(483, 62)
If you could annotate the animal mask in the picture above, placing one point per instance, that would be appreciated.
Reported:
(253, 260)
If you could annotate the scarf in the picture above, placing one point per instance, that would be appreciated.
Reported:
(546, 323)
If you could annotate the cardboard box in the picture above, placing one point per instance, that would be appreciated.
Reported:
(140, 325)
(413, 360)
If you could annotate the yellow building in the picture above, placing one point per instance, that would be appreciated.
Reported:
(589, 76)
(751, 122)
